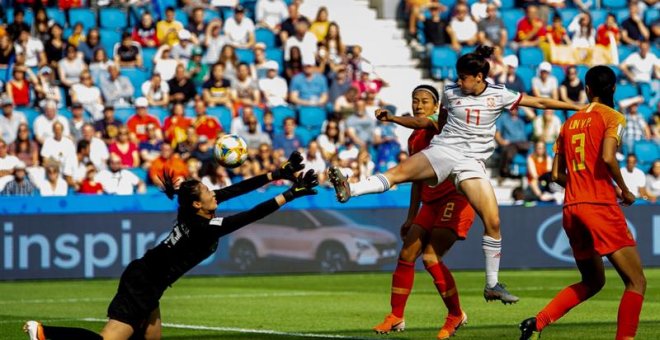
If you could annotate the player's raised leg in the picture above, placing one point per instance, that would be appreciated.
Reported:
(482, 198)
(415, 168)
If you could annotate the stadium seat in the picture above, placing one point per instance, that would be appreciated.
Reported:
(124, 113)
(468, 49)
(519, 165)
(310, 116)
(65, 112)
(617, 71)
(530, 56)
(245, 55)
(266, 36)
(276, 54)
(651, 16)
(611, 4)
(506, 4)
(625, 91)
(30, 115)
(624, 52)
(29, 16)
(159, 112)
(567, 15)
(223, 114)
(646, 112)
(510, 17)
(137, 77)
(647, 152)
(559, 73)
(109, 38)
(598, 16)
(526, 74)
(56, 15)
(210, 14)
(305, 135)
(85, 16)
(148, 54)
(621, 14)
(113, 18)
(646, 91)
(582, 71)
(443, 62)
(280, 113)
(140, 173)
(227, 12)
(181, 16)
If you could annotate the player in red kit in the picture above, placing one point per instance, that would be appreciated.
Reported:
(445, 216)
(586, 165)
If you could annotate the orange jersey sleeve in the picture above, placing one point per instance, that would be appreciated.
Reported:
(581, 144)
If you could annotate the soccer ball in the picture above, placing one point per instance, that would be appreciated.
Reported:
(230, 151)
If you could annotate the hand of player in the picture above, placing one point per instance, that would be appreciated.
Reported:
(405, 227)
(383, 115)
(289, 168)
(627, 198)
(303, 185)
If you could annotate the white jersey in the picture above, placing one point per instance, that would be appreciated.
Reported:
(470, 126)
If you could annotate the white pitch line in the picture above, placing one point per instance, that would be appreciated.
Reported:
(247, 330)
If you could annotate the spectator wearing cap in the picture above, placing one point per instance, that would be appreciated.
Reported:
(531, 29)
(45, 87)
(137, 124)
(204, 124)
(273, 86)
(491, 29)
(217, 90)
(156, 91)
(128, 53)
(118, 181)
(636, 129)
(116, 88)
(304, 40)
(270, 14)
(125, 149)
(43, 124)
(77, 121)
(509, 78)
(309, 88)
(288, 26)
(53, 184)
(239, 29)
(287, 141)
(176, 125)
(31, 47)
(214, 40)
(7, 164)
(182, 51)
(145, 32)
(633, 29)
(435, 28)
(462, 29)
(245, 91)
(21, 184)
(90, 45)
(164, 63)
(167, 30)
(58, 147)
(10, 120)
(641, 66)
(196, 70)
(196, 26)
(181, 88)
(107, 128)
(88, 94)
(545, 84)
(18, 87)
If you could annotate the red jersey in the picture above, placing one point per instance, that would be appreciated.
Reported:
(580, 142)
(207, 126)
(418, 141)
(602, 36)
(525, 27)
(138, 125)
(175, 129)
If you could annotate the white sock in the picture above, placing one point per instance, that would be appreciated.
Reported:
(492, 252)
(373, 184)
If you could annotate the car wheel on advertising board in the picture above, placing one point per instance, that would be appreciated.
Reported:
(332, 258)
(243, 255)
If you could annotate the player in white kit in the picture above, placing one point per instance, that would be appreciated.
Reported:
(467, 116)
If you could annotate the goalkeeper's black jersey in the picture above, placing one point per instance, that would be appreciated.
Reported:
(193, 240)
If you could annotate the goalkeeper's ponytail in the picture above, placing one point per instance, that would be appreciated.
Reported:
(187, 193)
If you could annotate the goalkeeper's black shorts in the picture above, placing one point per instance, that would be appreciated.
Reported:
(137, 296)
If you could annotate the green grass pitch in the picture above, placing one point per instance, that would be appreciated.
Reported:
(327, 306)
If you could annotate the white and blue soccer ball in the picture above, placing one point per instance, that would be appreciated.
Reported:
(230, 151)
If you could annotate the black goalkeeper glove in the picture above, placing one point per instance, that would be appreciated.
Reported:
(302, 186)
(289, 168)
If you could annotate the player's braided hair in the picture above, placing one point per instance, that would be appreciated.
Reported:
(475, 62)
(187, 193)
(601, 81)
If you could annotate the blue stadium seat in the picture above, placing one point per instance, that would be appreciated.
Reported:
(181, 16)
(280, 113)
(266, 36)
(519, 165)
(611, 4)
(140, 173)
(65, 112)
(443, 62)
(651, 16)
(621, 14)
(276, 54)
(559, 73)
(304, 135)
(468, 49)
(506, 4)
(223, 114)
(646, 91)
(148, 54)
(227, 12)
(567, 15)
(598, 16)
(582, 71)
(137, 77)
(30, 114)
(617, 71)
(625, 91)
(310, 116)
(530, 56)
(29, 16)
(510, 17)
(113, 18)
(245, 55)
(526, 74)
(109, 38)
(85, 16)
(56, 15)
(646, 112)
(124, 113)
(159, 112)
(647, 152)
(210, 14)
(624, 52)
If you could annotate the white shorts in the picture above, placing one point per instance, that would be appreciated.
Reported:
(448, 162)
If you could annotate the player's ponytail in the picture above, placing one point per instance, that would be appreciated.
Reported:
(187, 193)
(601, 81)
(475, 62)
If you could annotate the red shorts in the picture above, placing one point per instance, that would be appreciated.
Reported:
(451, 213)
(596, 229)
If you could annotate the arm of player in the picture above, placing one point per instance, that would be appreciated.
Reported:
(610, 145)
(303, 186)
(559, 170)
(547, 103)
(413, 208)
(409, 122)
